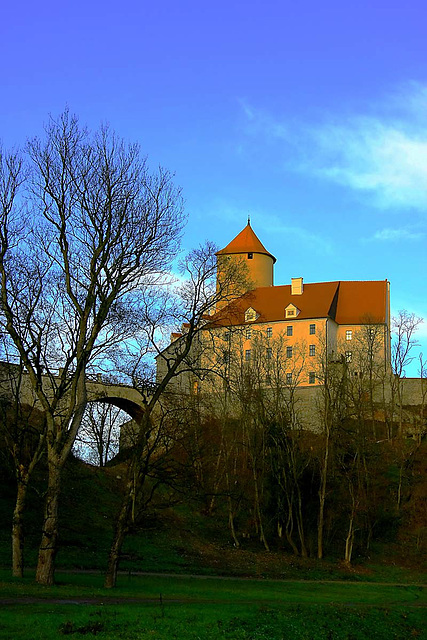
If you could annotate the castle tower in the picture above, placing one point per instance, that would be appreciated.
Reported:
(247, 249)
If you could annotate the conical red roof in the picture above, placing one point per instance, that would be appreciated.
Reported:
(246, 242)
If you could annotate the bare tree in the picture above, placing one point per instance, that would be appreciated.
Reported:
(22, 424)
(367, 373)
(422, 372)
(190, 306)
(404, 327)
(331, 410)
(22, 430)
(98, 437)
(101, 229)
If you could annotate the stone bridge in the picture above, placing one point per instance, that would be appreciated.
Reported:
(122, 396)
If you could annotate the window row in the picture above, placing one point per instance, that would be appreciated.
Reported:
(289, 381)
(290, 330)
(290, 378)
(371, 333)
(269, 332)
(289, 352)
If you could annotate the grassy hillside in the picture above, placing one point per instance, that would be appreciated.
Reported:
(178, 540)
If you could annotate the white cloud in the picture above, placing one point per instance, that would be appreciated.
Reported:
(382, 153)
(391, 235)
(381, 158)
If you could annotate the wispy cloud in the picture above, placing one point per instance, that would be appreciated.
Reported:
(259, 121)
(394, 235)
(301, 237)
(382, 152)
(273, 229)
(381, 158)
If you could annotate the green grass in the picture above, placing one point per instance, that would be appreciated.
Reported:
(211, 608)
(210, 622)
(210, 588)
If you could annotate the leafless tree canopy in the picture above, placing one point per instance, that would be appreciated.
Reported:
(86, 233)
(96, 228)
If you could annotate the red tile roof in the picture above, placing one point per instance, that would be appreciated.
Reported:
(345, 302)
(246, 242)
(362, 302)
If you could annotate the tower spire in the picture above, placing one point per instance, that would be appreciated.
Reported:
(247, 249)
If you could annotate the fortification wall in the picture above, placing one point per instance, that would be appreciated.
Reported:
(414, 391)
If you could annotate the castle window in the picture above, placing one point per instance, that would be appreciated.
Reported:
(348, 334)
(289, 330)
(226, 357)
(289, 378)
(269, 353)
(269, 332)
(248, 333)
(289, 352)
(227, 336)
(247, 355)
(250, 256)
(312, 350)
(348, 356)
(311, 377)
(312, 329)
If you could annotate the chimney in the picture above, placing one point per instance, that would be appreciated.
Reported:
(297, 286)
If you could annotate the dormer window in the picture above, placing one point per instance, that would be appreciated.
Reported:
(291, 311)
(251, 315)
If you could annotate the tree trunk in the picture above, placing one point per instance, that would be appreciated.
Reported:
(231, 523)
(45, 573)
(322, 498)
(219, 472)
(300, 526)
(349, 541)
(17, 531)
(116, 546)
(289, 529)
(258, 515)
(231, 513)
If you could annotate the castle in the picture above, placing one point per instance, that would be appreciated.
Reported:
(330, 316)
(287, 337)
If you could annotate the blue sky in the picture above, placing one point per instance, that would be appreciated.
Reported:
(311, 117)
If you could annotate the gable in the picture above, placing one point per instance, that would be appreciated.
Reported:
(291, 311)
(251, 315)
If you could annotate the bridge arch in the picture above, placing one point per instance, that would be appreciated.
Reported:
(126, 398)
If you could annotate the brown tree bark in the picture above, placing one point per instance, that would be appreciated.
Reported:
(120, 531)
(18, 532)
(45, 573)
(322, 496)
